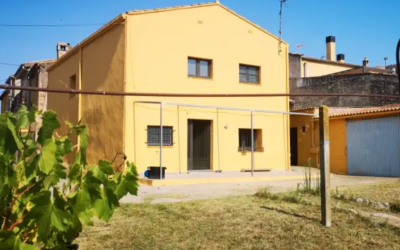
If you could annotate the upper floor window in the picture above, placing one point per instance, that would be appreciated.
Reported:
(199, 67)
(249, 74)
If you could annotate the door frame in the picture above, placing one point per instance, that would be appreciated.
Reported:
(190, 144)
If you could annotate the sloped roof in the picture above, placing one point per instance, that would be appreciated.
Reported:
(199, 5)
(313, 59)
(40, 62)
(342, 111)
(122, 17)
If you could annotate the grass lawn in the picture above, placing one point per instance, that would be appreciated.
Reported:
(246, 222)
(383, 192)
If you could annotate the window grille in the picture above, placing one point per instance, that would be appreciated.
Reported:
(153, 136)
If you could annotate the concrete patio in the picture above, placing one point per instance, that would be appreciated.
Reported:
(204, 177)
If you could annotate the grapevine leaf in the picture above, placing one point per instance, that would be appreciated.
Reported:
(83, 200)
(9, 240)
(23, 120)
(64, 146)
(106, 167)
(104, 206)
(49, 215)
(32, 114)
(9, 142)
(25, 246)
(47, 157)
(85, 218)
(49, 124)
(55, 175)
(30, 168)
(75, 173)
(128, 182)
(94, 171)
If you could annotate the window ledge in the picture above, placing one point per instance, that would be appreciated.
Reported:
(251, 83)
(200, 77)
(159, 146)
(260, 150)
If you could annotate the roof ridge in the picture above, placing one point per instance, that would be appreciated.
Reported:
(332, 62)
(178, 7)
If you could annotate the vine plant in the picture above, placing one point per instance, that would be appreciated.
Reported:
(45, 202)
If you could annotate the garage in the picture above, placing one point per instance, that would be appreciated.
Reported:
(373, 147)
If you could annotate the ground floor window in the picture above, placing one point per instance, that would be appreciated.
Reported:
(245, 140)
(154, 133)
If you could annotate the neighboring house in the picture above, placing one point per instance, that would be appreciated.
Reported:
(29, 74)
(363, 141)
(303, 66)
(197, 49)
(354, 80)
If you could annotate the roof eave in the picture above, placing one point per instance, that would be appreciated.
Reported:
(89, 39)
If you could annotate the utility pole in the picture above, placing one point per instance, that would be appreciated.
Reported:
(325, 166)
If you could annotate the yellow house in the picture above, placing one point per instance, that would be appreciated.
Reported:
(363, 141)
(197, 49)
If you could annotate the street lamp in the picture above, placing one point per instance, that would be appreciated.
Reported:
(385, 60)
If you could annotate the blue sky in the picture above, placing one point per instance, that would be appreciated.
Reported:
(362, 27)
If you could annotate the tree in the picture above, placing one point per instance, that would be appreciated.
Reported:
(36, 211)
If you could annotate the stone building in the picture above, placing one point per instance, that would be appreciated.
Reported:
(313, 75)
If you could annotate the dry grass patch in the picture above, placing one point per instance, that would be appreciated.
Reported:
(235, 223)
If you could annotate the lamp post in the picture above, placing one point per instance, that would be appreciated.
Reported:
(385, 60)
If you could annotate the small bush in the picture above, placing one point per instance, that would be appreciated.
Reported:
(266, 194)
(292, 197)
(395, 207)
(341, 195)
(309, 186)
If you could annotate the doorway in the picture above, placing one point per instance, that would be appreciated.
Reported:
(199, 145)
(293, 147)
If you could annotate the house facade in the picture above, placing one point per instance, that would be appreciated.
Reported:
(196, 49)
(363, 141)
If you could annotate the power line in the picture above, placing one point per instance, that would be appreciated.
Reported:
(9, 64)
(49, 25)
(112, 93)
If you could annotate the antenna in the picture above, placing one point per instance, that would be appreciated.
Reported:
(299, 46)
(280, 23)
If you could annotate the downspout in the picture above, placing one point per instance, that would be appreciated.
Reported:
(287, 109)
(79, 88)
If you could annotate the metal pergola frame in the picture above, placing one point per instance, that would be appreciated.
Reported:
(162, 104)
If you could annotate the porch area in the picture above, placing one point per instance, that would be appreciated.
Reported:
(205, 177)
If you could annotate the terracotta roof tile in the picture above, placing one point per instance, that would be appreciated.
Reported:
(41, 62)
(343, 111)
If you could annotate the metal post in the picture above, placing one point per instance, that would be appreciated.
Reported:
(161, 137)
(252, 145)
(325, 166)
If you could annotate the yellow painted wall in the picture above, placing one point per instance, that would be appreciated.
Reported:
(65, 105)
(158, 47)
(337, 140)
(304, 140)
(103, 70)
(98, 66)
(320, 69)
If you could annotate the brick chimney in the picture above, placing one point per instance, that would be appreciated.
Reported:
(330, 48)
(62, 48)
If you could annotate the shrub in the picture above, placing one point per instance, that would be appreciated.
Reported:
(35, 212)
